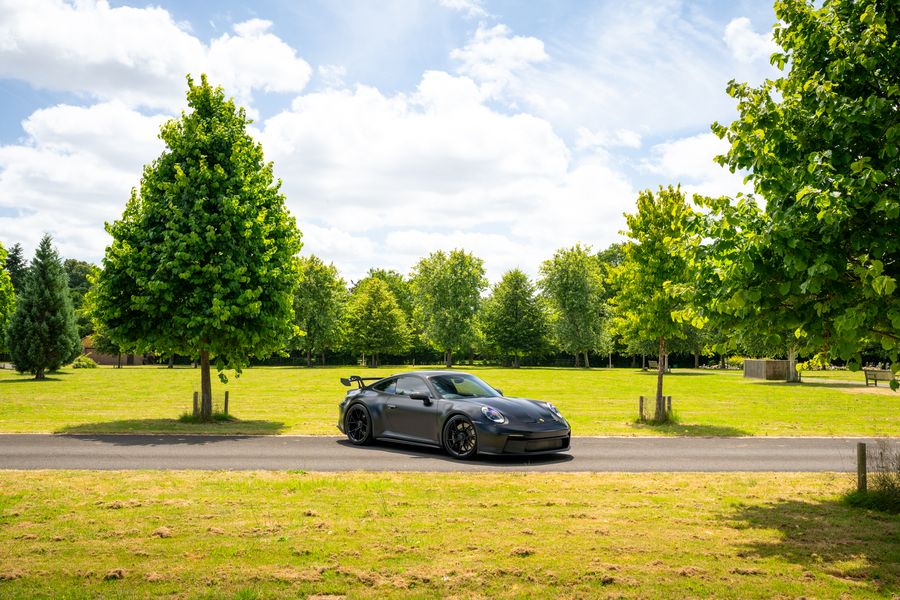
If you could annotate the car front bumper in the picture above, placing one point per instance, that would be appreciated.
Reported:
(494, 439)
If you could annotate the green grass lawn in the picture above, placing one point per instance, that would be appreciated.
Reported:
(304, 401)
(261, 535)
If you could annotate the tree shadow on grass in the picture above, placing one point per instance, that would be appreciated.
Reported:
(691, 430)
(31, 378)
(174, 427)
(829, 537)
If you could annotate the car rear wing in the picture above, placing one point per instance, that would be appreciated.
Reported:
(359, 381)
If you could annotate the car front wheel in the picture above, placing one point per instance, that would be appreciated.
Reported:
(460, 437)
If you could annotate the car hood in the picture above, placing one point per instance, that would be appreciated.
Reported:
(522, 410)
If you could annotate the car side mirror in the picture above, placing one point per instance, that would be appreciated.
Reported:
(425, 398)
(498, 391)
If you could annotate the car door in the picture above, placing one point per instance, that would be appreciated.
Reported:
(413, 420)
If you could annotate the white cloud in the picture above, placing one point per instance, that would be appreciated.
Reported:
(74, 171)
(438, 169)
(745, 44)
(624, 138)
(496, 58)
(472, 8)
(690, 161)
(255, 59)
(138, 56)
(332, 76)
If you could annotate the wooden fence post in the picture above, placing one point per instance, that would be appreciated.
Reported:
(196, 406)
(861, 467)
(641, 407)
(226, 402)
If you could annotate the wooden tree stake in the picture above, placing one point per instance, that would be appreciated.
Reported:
(861, 467)
(226, 402)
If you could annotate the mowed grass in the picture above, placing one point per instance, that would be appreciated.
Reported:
(267, 534)
(269, 400)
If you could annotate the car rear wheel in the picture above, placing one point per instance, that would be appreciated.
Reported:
(460, 437)
(358, 425)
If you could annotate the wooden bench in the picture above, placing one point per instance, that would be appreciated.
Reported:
(876, 375)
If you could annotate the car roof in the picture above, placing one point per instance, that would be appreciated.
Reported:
(429, 373)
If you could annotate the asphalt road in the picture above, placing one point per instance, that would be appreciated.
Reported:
(319, 453)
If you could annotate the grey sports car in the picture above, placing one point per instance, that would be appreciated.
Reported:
(452, 410)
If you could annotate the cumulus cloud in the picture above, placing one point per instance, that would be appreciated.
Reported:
(472, 8)
(438, 168)
(138, 56)
(745, 44)
(689, 161)
(74, 171)
(496, 58)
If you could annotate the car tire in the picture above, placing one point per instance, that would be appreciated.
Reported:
(358, 425)
(460, 437)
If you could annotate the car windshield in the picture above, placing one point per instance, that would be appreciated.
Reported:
(462, 386)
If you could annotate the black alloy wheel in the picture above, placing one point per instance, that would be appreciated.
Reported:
(460, 437)
(358, 425)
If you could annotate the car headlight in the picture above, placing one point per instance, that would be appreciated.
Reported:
(553, 409)
(493, 414)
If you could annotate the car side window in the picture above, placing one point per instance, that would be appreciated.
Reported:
(388, 387)
(412, 385)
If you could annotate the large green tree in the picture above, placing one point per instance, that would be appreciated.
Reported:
(16, 266)
(447, 290)
(572, 282)
(7, 298)
(514, 318)
(42, 334)
(319, 303)
(656, 279)
(821, 144)
(375, 323)
(204, 259)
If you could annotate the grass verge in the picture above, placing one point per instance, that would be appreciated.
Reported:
(304, 401)
(366, 535)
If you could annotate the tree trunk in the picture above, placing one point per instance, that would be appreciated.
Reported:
(577, 359)
(587, 361)
(721, 361)
(792, 365)
(610, 360)
(40, 375)
(516, 361)
(171, 364)
(322, 364)
(448, 362)
(660, 415)
(696, 360)
(308, 358)
(205, 387)
(119, 360)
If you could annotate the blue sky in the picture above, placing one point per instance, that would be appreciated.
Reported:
(508, 128)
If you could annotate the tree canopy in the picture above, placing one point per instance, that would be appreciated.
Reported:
(514, 318)
(447, 290)
(203, 261)
(375, 323)
(16, 266)
(7, 298)
(572, 282)
(821, 144)
(42, 334)
(656, 280)
(319, 304)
